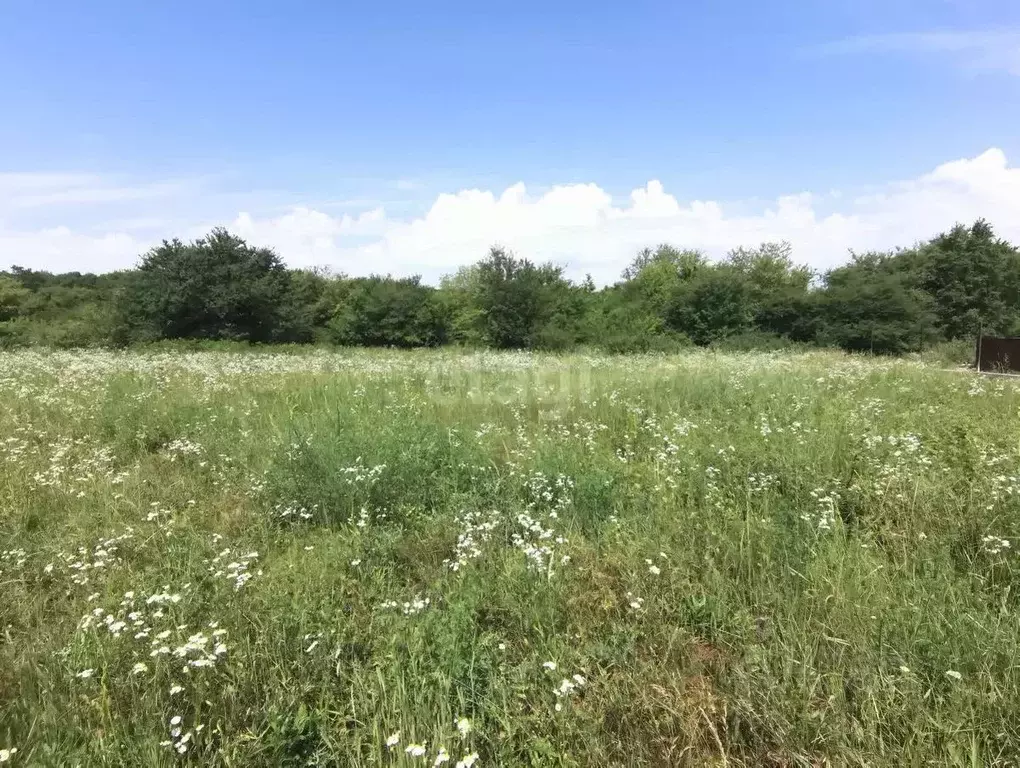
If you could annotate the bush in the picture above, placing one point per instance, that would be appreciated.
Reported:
(12, 334)
(553, 338)
(665, 342)
(387, 312)
(217, 287)
(754, 340)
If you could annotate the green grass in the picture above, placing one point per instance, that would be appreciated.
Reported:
(748, 560)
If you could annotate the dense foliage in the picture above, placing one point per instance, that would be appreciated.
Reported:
(220, 287)
(215, 288)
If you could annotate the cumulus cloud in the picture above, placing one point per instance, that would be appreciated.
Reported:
(583, 227)
(59, 249)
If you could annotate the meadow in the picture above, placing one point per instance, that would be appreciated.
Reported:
(316, 558)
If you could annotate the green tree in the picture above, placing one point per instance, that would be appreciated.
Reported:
(306, 307)
(973, 278)
(778, 289)
(459, 297)
(870, 305)
(654, 276)
(713, 305)
(217, 287)
(516, 299)
(631, 316)
(384, 311)
(13, 296)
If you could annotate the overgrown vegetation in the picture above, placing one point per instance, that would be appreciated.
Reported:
(381, 558)
(220, 287)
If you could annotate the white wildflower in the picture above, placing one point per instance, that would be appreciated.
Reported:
(415, 750)
(464, 726)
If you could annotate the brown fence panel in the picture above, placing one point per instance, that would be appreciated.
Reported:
(998, 354)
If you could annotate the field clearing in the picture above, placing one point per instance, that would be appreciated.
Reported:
(248, 559)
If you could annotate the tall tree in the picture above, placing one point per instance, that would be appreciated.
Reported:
(459, 296)
(871, 306)
(713, 305)
(777, 289)
(973, 278)
(217, 287)
(516, 299)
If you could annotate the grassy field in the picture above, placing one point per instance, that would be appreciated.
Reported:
(434, 558)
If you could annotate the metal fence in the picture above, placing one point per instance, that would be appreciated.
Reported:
(998, 354)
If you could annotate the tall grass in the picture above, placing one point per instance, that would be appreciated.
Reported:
(744, 559)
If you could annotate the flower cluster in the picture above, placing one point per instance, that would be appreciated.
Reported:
(181, 448)
(538, 543)
(567, 686)
(15, 557)
(75, 465)
(147, 628)
(360, 474)
(180, 740)
(824, 516)
(237, 570)
(85, 563)
(294, 511)
(419, 750)
(994, 545)
(475, 529)
(409, 608)
(759, 482)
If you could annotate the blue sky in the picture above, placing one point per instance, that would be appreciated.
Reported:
(128, 122)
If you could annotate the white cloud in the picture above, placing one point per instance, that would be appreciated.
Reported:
(31, 190)
(61, 250)
(581, 226)
(991, 50)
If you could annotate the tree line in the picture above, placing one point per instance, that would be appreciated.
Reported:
(220, 287)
